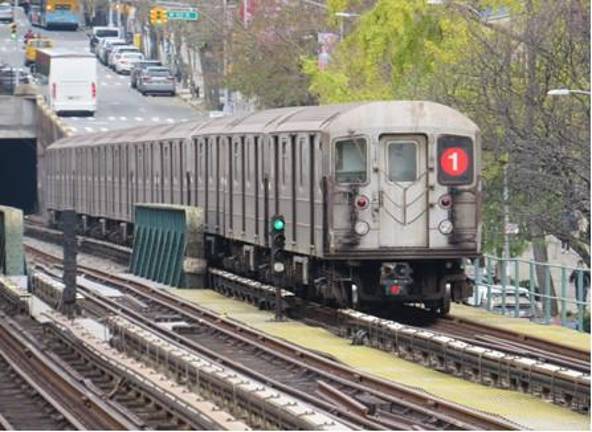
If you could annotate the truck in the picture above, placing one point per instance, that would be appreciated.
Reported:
(68, 80)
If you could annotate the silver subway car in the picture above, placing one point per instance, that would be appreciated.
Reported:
(381, 199)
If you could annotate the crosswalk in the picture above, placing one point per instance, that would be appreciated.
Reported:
(90, 124)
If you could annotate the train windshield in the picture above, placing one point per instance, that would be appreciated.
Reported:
(350, 161)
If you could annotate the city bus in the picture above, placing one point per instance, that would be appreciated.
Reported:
(53, 14)
(67, 79)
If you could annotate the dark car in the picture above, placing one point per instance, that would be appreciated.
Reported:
(138, 68)
(11, 77)
(156, 80)
(99, 33)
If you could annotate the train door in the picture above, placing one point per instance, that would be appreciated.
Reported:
(403, 194)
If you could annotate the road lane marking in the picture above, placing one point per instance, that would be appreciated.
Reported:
(123, 118)
(139, 119)
(111, 118)
(88, 128)
(104, 129)
(170, 120)
(155, 119)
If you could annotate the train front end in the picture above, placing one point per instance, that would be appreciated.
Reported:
(405, 200)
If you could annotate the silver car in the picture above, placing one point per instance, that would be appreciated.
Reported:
(6, 13)
(156, 80)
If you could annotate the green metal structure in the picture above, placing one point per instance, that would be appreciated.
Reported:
(166, 238)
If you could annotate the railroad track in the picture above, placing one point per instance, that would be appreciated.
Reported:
(35, 393)
(551, 371)
(511, 341)
(352, 396)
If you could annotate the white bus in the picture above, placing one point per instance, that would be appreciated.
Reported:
(68, 79)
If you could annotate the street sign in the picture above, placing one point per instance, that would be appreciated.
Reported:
(512, 228)
(183, 15)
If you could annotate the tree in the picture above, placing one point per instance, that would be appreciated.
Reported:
(266, 55)
(499, 74)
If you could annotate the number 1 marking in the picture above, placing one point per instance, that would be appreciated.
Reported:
(454, 157)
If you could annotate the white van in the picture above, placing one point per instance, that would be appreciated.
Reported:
(68, 80)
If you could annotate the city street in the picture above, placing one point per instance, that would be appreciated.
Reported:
(119, 106)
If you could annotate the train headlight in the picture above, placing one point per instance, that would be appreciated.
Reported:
(445, 227)
(361, 228)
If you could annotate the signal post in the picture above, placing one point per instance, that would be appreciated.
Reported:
(278, 241)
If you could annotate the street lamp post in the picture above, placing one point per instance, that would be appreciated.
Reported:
(344, 15)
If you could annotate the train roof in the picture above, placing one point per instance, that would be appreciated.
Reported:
(342, 119)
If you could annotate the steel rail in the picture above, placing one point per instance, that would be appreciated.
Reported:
(79, 406)
(455, 415)
(475, 328)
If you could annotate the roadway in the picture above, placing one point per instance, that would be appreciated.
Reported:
(119, 106)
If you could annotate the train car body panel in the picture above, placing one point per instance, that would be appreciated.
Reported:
(368, 191)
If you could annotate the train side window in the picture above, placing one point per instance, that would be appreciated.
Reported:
(351, 161)
(402, 161)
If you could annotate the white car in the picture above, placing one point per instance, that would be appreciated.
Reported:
(125, 62)
(104, 45)
(117, 51)
(6, 13)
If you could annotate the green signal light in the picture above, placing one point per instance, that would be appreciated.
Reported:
(278, 224)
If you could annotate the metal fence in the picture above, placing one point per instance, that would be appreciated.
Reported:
(542, 292)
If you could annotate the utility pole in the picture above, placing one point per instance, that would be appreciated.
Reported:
(110, 13)
(225, 57)
(68, 304)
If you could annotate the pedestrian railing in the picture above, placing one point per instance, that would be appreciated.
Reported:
(542, 292)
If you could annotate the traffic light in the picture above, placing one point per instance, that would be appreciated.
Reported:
(13, 30)
(278, 241)
(158, 15)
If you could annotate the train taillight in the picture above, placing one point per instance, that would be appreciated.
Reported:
(455, 160)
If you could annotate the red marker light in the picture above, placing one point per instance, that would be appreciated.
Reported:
(362, 202)
(395, 289)
(93, 90)
(445, 201)
(454, 161)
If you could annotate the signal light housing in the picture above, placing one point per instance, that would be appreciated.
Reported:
(278, 241)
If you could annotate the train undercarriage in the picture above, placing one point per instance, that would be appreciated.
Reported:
(355, 283)
(358, 284)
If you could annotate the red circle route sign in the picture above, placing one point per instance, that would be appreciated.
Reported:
(454, 161)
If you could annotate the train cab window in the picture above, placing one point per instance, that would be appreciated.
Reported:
(402, 161)
(351, 161)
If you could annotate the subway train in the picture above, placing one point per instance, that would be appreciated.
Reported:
(381, 200)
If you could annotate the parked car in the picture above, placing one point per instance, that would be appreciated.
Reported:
(156, 80)
(6, 14)
(138, 68)
(124, 62)
(118, 50)
(99, 33)
(106, 47)
(11, 77)
(514, 297)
